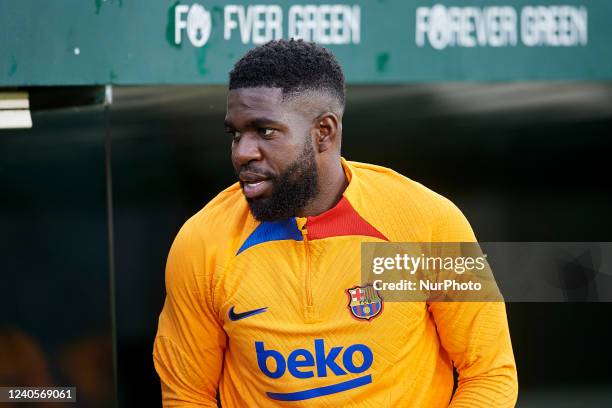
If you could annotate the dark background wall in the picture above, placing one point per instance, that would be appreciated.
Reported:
(525, 162)
(55, 321)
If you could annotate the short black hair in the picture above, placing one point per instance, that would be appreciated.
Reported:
(292, 65)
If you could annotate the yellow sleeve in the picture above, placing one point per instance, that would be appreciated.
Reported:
(190, 342)
(476, 336)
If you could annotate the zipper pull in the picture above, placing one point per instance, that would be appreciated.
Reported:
(301, 224)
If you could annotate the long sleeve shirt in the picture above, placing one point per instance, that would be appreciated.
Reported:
(260, 311)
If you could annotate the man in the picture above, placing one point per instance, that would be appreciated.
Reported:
(257, 281)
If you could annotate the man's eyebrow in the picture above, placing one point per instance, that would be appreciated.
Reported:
(254, 123)
(261, 121)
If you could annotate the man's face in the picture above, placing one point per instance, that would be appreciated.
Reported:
(272, 152)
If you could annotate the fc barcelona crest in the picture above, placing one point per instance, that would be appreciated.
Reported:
(364, 302)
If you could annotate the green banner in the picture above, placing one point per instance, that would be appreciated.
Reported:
(77, 42)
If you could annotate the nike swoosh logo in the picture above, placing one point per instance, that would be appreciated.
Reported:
(233, 316)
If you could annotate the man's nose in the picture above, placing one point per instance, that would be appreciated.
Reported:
(246, 150)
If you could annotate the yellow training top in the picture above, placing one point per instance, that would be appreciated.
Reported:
(269, 313)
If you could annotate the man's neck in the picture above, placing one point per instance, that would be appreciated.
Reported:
(332, 182)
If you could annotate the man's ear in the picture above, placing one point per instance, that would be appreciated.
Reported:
(326, 131)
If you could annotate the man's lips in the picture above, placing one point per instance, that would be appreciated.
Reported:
(254, 190)
(253, 184)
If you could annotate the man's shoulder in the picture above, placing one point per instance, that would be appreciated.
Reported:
(207, 239)
(388, 184)
(222, 215)
(401, 205)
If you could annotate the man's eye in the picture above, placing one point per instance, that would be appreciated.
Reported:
(266, 132)
(235, 134)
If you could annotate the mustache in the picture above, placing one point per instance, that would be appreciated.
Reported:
(250, 168)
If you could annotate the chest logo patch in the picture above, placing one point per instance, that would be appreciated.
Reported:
(365, 303)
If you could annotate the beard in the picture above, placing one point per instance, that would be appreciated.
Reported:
(292, 190)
